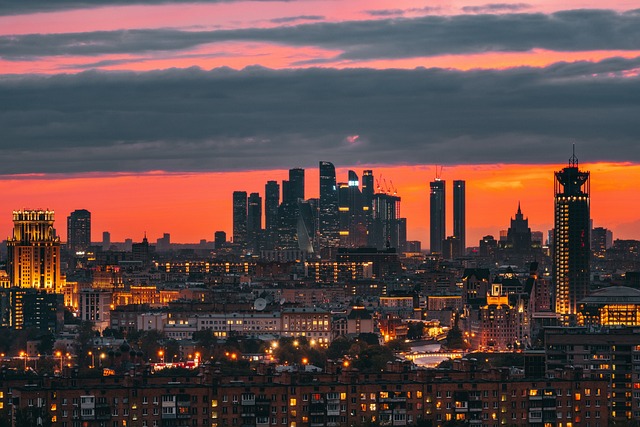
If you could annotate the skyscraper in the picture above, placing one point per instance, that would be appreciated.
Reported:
(437, 215)
(34, 251)
(353, 229)
(571, 244)
(295, 184)
(288, 212)
(384, 230)
(459, 214)
(240, 218)
(79, 231)
(271, 203)
(254, 221)
(329, 220)
(368, 190)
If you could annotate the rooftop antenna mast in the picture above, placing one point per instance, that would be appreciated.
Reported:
(573, 161)
(439, 174)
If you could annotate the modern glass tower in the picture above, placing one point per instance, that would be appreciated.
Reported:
(240, 217)
(329, 220)
(254, 221)
(571, 244)
(437, 215)
(459, 214)
(79, 231)
(271, 203)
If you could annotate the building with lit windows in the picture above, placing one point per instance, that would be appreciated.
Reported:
(30, 308)
(459, 214)
(571, 243)
(34, 251)
(79, 231)
(240, 218)
(612, 306)
(612, 354)
(437, 222)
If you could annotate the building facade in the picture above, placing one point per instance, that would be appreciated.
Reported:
(34, 251)
(571, 243)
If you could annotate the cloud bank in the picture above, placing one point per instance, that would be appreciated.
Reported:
(194, 120)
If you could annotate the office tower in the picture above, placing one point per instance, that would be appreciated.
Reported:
(163, 243)
(384, 231)
(571, 245)
(271, 203)
(106, 240)
(288, 212)
(219, 239)
(34, 251)
(254, 221)
(293, 189)
(437, 215)
(459, 214)
(368, 190)
(601, 239)
(79, 231)
(402, 235)
(306, 225)
(353, 230)
(329, 220)
(240, 218)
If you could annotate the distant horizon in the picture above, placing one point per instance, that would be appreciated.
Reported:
(192, 206)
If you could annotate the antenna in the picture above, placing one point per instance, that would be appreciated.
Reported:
(573, 161)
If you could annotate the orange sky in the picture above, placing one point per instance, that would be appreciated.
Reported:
(191, 206)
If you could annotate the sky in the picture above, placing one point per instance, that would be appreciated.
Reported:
(150, 113)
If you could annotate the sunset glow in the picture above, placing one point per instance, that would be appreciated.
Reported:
(191, 206)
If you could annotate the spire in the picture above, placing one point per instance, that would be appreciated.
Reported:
(519, 210)
(573, 161)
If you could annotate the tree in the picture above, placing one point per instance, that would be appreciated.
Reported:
(415, 330)
(455, 340)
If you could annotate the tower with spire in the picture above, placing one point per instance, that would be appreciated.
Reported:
(571, 244)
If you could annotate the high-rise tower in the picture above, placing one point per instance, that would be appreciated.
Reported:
(240, 218)
(79, 231)
(353, 231)
(571, 244)
(271, 203)
(437, 215)
(329, 220)
(459, 214)
(34, 251)
(294, 190)
(254, 221)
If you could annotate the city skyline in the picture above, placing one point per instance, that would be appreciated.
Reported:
(140, 112)
(493, 193)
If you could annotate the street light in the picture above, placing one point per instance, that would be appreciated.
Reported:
(102, 356)
(161, 354)
(23, 354)
(93, 360)
(59, 354)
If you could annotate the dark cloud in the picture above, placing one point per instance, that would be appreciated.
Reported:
(496, 7)
(192, 120)
(577, 30)
(11, 7)
(288, 19)
(402, 12)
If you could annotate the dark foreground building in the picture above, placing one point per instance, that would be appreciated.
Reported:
(341, 396)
